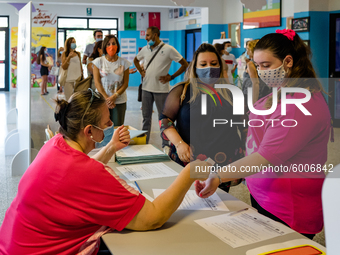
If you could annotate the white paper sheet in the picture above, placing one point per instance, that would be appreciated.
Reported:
(243, 228)
(144, 194)
(192, 202)
(138, 150)
(146, 171)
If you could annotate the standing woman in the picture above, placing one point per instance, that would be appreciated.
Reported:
(220, 50)
(41, 60)
(111, 77)
(97, 52)
(291, 197)
(71, 63)
(58, 63)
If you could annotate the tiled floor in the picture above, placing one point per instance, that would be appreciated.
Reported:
(42, 114)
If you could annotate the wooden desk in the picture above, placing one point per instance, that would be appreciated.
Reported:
(180, 235)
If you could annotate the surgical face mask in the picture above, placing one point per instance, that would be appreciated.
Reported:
(111, 50)
(229, 49)
(73, 46)
(151, 42)
(108, 133)
(273, 77)
(61, 52)
(247, 55)
(208, 75)
(99, 39)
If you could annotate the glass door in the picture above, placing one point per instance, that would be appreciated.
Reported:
(334, 68)
(4, 54)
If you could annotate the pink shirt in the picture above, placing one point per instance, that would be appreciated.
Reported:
(295, 198)
(63, 199)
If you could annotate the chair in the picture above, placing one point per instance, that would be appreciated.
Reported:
(48, 133)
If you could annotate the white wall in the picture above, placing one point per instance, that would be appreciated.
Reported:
(334, 5)
(9, 10)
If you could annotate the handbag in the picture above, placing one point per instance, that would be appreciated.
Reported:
(54, 71)
(140, 90)
(62, 76)
(82, 84)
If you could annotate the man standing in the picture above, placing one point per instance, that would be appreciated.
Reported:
(230, 60)
(156, 78)
(98, 36)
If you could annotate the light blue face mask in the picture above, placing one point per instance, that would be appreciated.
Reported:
(108, 133)
(229, 49)
(99, 39)
(247, 56)
(208, 75)
(151, 43)
(73, 46)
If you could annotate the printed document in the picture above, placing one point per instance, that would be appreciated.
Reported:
(192, 202)
(138, 151)
(146, 171)
(243, 228)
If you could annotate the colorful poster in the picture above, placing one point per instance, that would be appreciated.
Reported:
(266, 15)
(155, 19)
(142, 21)
(186, 12)
(180, 13)
(171, 13)
(130, 21)
(176, 13)
(41, 36)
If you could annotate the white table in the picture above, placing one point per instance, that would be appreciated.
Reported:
(180, 234)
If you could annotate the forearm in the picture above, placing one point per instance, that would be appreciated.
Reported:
(172, 134)
(137, 65)
(256, 90)
(179, 71)
(65, 63)
(154, 214)
(106, 153)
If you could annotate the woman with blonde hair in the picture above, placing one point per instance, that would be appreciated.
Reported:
(193, 136)
(71, 63)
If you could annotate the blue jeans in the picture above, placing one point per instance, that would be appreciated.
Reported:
(147, 104)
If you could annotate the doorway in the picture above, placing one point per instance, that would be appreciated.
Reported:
(4, 54)
(193, 39)
(334, 69)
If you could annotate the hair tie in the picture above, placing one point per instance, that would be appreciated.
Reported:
(287, 32)
(61, 117)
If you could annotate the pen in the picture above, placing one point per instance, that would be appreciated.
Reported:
(233, 213)
(140, 191)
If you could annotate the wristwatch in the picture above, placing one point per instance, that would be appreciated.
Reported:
(172, 77)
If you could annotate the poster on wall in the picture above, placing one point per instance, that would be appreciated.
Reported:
(180, 13)
(155, 19)
(186, 12)
(171, 13)
(130, 21)
(142, 20)
(41, 36)
(191, 11)
(263, 13)
(176, 13)
(198, 11)
(128, 48)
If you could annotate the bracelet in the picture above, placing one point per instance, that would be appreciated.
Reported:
(178, 143)
(219, 177)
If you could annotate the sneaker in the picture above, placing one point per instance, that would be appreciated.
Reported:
(166, 150)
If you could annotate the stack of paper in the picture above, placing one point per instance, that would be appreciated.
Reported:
(137, 154)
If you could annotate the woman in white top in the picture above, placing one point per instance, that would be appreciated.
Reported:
(71, 62)
(111, 77)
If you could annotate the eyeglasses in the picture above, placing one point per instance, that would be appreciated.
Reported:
(94, 94)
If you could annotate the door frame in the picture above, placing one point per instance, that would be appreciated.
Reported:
(333, 75)
(190, 31)
(7, 55)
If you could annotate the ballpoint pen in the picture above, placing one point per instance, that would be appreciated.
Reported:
(233, 213)
(140, 191)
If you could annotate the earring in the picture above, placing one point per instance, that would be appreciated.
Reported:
(91, 137)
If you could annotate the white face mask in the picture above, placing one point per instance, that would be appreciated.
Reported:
(273, 77)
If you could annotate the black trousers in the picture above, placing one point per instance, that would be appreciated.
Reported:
(273, 217)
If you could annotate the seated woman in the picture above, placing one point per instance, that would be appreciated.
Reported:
(67, 200)
(194, 135)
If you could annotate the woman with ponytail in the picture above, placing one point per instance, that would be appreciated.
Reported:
(67, 200)
(289, 150)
